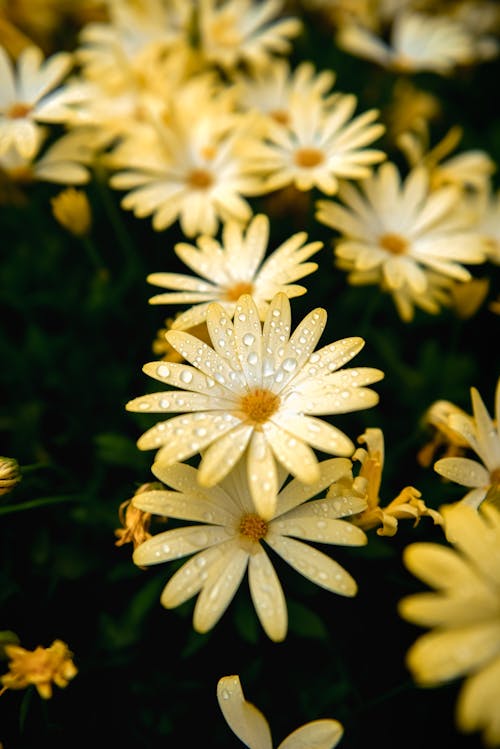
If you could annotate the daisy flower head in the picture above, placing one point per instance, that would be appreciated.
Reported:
(193, 168)
(463, 612)
(232, 32)
(320, 143)
(399, 233)
(481, 434)
(250, 725)
(233, 267)
(418, 42)
(257, 390)
(30, 94)
(227, 537)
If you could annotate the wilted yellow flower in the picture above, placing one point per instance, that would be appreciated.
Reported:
(71, 208)
(135, 522)
(468, 297)
(408, 503)
(10, 474)
(41, 667)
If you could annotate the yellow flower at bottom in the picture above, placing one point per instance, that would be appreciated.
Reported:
(464, 611)
(41, 667)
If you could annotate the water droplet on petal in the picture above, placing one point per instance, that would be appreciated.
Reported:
(248, 339)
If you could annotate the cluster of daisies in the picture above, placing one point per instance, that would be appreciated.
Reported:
(195, 114)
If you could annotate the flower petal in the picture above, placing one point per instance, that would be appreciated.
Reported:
(319, 734)
(243, 718)
(267, 596)
(224, 578)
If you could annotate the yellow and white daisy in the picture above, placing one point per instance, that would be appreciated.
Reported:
(482, 435)
(418, 42)
(259, 390)
(488, 210)
(29, 95)
(235, 267)
(227, 536)
(193, 168)
(250, 725)
(397, 231)
(464, 614)
(232, 32)
(320, 143)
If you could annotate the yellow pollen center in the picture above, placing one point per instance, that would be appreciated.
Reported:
(259, 405)
(253, 527)
(308, 157)
(18, 110)
(393, 243)
(199, 179)
(280, 116)
(234, 293)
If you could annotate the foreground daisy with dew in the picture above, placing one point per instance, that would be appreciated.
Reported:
(250, 725)
(464, 612)
(259, 390)
(229, 538)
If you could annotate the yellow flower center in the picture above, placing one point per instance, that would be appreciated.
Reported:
(259, 405)
(253, 527)
(234, 293)
(199, 179)
(393, 243)
(18, 110)
(281, 116)
(309, 157)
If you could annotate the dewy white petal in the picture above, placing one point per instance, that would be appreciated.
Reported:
(177, 401)
(262, 475)
(223, 454)
(321, 529)
(243, 718)
(224, 578)
(319, 734)
(487, 435)
(189, 579)
(183, 376)
(248, 335)
(267, 596)
(316, 432)
(296, 492)
(193, 505)
(204, 357)
(177, 543)
(313, 564)
(275, 334)
(293, 453)
(463, 471)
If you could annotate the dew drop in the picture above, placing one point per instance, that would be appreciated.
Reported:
(163, 371)
(289, 364)
(248, 339)
(252, 358)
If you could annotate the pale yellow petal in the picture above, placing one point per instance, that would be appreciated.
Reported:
(319, 734)
(267, 596)
(243, 718)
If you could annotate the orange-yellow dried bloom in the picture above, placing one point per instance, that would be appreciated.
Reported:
(408, 503)
(135, 522)
(71, 208)
(444, 437)
(41, 667)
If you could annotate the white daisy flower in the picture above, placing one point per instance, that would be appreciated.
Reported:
(482, 435)
(418, 42)
(229, 537)
(319, 144)
(233, 268)
(399, 230)
(236, 31)
(257, 391)
(250, 725)
(28, 97)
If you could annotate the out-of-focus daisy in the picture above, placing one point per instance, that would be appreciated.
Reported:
(418, 42)
(29, 95)
(397, 231)
(320, 143)
(410, 109)
(194, 168)
(366, 485)
(487, 205)
(470, 170)
(482, 435)
(250, 725)
(229, 537)
(235, 267)
(65, 161)
(10, 474)
(257, 391)
(271, 90)
(463, 613)
(232, 32)
(41, 667)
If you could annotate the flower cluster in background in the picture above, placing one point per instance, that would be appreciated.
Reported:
(251, 411)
